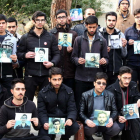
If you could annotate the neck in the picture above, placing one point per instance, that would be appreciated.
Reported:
(56, 91)
(121, 85)
(38, 31)
(98, 93)
(110, 31)
(90, 37)
(56, 131)
(60, 26)
(3, 33)
(17, 102)
(138, 26)
(124, 13)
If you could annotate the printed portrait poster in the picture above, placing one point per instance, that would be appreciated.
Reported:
(22, 121)
(114, 41)
(131, 111)
(56, 126)
(92, 60)
(137, 47)
(5, 55)
(101, 117)
(41, 54)
(65, 39)
(76, 14)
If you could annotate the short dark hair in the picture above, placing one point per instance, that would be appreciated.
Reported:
(56, 120)
(11, 19)
(55, 71)
(15, 81)
(101, 75)
(42, 50)
(125, 69)
(59, 12)
(87, 9)
(111, 14)
(24, 115)
(137, 11)
(91, 20)
(3, 17)
(38, 14)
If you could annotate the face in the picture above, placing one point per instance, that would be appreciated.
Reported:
(61, 19)
(131, 112)
(76, 13)
(12, 27)
(65, 37)
(23, 119)
(137, 19)
(111, 22)
(3, 26)
(100, 85)
(39, 22)
(18, 91)
(124, 5)
(89, 12)
(3, 54)
(41, 54)
(57, 125)
(124, 79)
(115, 41)
(91, 28)
(92, 59)
(56, 81)
(102, 118)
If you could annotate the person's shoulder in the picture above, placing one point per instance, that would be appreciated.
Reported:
(77, 26)
(68, 89)
(108, 93)
(88, 93)
(129, 29)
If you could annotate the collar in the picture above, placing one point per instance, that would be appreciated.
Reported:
(95, 95)
(125, 18)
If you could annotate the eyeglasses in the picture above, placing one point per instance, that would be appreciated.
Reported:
(137, 17)
(11, 27)
(124, 3)
(40, 20)
(63, 17)
(99, 83)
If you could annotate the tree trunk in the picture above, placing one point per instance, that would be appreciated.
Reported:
(56, 5)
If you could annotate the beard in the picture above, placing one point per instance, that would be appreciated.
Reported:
(111, 28)
(91, 34)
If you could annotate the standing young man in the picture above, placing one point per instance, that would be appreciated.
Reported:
(36, 73)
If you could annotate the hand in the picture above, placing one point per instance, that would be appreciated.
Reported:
(68, 122)
(46, 126)
(16, 65)
(90, 123)
(131, 42)
(59, 47)
(110, 123)
(69, 49)
(47, 64)
(122, 119)
(30, 55)
(138, 103)
(108, 49)
(35, 121)
(13, 57)
(102, 61)
(124, 42)
(10, 124)
(81, 60)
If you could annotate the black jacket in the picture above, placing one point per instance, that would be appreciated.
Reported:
(87, 102)
(28, 43)
(7, 113)
(80, 48)
(61, 105)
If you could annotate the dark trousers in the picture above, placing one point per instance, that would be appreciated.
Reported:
(135, 74)
(18, 72)
(81, 87)
(107, 132)
(69, 131)
(111, 77)
(31, 84)
(69, 82)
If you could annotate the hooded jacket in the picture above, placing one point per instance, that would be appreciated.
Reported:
(28, 43)
(7, 113)
(115, 55)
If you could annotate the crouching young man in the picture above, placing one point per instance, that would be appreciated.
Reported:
(18, 103)
(98, 99)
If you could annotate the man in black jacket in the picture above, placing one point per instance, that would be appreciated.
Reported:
(126, 92)
(18, 104)
(98, 99)
(36, 73)
(57, 100)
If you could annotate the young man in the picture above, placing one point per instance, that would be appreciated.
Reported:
(98, 99)
(18, 103)
(133, 34)
(115, 55)
(36, 73)
(90, 42)
(12, 28)
(126, 92)
(125, 19)
(65, 48)
(7, 41)
(57, 100)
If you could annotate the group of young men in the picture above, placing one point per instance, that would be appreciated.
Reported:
(68, 89)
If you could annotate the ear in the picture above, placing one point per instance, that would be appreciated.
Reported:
(94, 84)
(12, 91)
(119, 77)
(49, 79)
(33, 21)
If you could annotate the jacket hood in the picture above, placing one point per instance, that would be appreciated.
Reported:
(8, 102)
(30, 25)
(102, 29)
